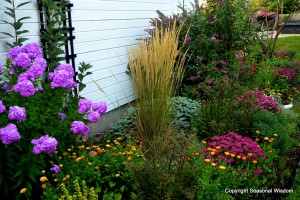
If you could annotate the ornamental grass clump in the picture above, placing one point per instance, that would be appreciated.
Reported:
(156, 66)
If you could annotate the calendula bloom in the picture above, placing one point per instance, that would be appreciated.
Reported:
(43, 179)
(2, 107)
(84, 105)
(17, 113)
(222, 167)
(23, 190)
(45, 144)
(9, 134)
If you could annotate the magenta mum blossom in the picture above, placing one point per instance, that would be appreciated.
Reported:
(45, 144)
(17, 113)
(79, 128)
(9, 134)
(84, 106)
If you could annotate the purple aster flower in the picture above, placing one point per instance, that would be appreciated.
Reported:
(100, 107)
(213, 38)
(9, 134)
(33, 50)
(78, 127)
(13, 53)
(45, 144)
(55, 168)
(84, 106)
(22, 61)
(26, 88)
(62, 116)
(2, 107)
(93, 117)
(38, 68)
(17, 113)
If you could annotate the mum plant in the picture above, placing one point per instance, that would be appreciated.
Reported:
(39, 113)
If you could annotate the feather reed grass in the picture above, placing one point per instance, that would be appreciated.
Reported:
(157, 67)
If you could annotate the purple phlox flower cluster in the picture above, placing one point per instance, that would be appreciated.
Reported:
(13, 53)
(63, 77)
(17, 113)
(93, 117)
(45, 144)
(21, 61)
(11, 71)
(62, 116)
(289, 73)
(100, 107)
(236, 145)
(55, 168)
(2, 107)
(9, 134)
(38, 67)
(266, 103)
(213, 38)
(26, 88)
(32, 50)
(5, 87)
(84, 106)
(79, 128)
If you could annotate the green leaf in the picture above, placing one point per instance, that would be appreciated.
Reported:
(122, 188)
(112, 184)
(117, 196)
(88, 73)
(98, 189)
(8, 34)
(23, 18)
(9, 1)
(21, 40)
(12, 11)
(10, 14)
(22, 32)
(22, 4)
(19, 172)
(80, 77)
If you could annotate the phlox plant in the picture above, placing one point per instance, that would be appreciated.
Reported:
(39, 113)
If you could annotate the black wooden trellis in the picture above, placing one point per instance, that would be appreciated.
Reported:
(69, 44)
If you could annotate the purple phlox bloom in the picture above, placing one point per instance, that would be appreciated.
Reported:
(13, 53)
(93, 117)
(11, 71)
(21, 61)
(45, 144)
(5, 87)
(2, 107)
(68, 68)
(62, 116)
(63, 77)
(78, 127)
(213, 38)
(84, 106)
(9, 134)
(26, 88)
(55, 168)
(38, 67)
(100, 107)
(25, 76)
(33, 50)
(17, 113)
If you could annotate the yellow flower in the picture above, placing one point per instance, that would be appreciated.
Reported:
(119, 138)
(23, 190)
(117, 175)
(275, 135)
(43, 179)
(60, 158)
(266, 138)
(218, 147)
(108, 141)
(88, 148)
(129, 158)
(257, 132)
(43, 186)
(226, 153)
(212, 153)
(204, 142)
(232, 155)
(238, 157)
(97, 167)
(213, 164)
(250, 154)
(106, 165)
(43, 171)
(68, 176)
(256, 139)
(61, 165)
(196, 154)
(222, 167)
(207, 160)
(69, 150)
(254, 161)
(78, 159)
(90, 163)
(208, 149)
(107, 145)
(55, 180)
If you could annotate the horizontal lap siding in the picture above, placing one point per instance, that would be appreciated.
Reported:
(104, 29)
(32, 25)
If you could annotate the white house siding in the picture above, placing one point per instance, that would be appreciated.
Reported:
(103, 31)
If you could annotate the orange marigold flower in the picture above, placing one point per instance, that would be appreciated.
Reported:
(23, 190)
(254, 161)
(207, 160)
(129, 158)
(43, 179)
(43, 186)
(244, 158)
(238, 157)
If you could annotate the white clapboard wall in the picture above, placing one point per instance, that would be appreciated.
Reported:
(104, 29)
